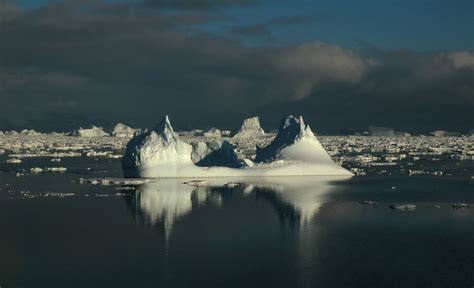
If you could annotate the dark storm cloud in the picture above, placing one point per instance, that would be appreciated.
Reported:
(82, 62)
(196, 4)
(284, 21)
(251, 30)
(262, 29)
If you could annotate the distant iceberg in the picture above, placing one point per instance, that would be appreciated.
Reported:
(442, 133)
(91, 132)
(30, 132)
(295, 151)
(123, 131)
(381, 131)
(250, 128)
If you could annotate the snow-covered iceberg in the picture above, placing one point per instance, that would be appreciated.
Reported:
(123, 131)
(250, 128)
(295, 151)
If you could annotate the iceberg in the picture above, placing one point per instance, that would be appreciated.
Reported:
(442, 133)
(30, 132)
(11, 133)
(213, 132)
(123, 131)
(91, 132)
(160, 153)
(381, 131)
(250, 128)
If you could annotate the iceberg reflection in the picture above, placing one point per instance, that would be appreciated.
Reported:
(296, 199)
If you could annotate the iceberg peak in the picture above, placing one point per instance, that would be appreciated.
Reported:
(250, 128)
(165, 130)
(292, 130)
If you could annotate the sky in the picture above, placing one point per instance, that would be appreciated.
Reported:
(343, 65)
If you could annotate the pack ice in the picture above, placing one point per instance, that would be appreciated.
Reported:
(295, 151)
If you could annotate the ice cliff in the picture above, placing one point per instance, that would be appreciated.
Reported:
(160, 153)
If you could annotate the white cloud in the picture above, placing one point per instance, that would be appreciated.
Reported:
(462, 59)
(310, 64)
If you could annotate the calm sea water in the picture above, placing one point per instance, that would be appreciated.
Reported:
(285, 232)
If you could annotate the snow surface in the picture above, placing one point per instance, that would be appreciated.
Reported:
(295, 151)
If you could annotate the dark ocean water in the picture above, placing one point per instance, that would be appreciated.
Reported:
(285, 232)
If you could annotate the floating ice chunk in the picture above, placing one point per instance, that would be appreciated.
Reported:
(56, 169)
(232, 184)
(407, 207)
(368, 202)
(196, 183)
(114, 181)
(36, 170)
(462, 205)
(58, 195)
(248, 162)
